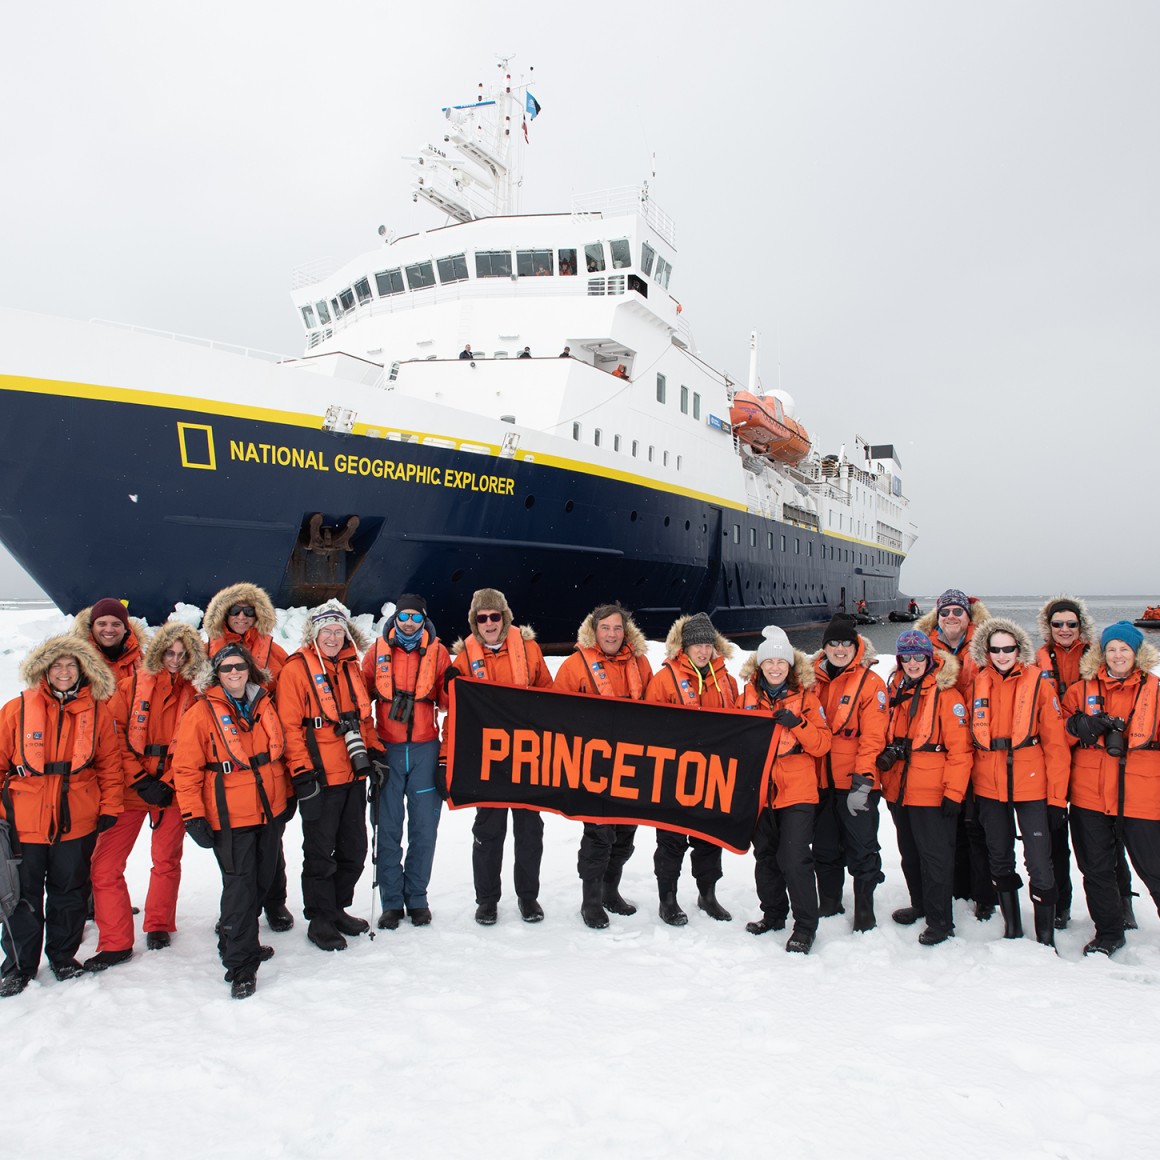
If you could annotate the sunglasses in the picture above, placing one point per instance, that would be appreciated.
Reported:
(403, 617)
(240, 667)
(241, 610)
(1002, 648)
(952, 611)
(1065, 624)
(840, 643)
(488, 617)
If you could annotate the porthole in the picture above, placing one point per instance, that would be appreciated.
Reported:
(666, 521)
(457, 575)
(686, 525)
(632, 517)
(641, 580)
(530, 502)
(569, 506)
(537, 577)
(587, 579)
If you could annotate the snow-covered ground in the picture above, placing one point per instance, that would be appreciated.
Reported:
(553, 1040)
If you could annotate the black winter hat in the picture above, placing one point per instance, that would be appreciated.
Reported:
(698, 630)
(842, 627)
(1063, 606)
(410, 601)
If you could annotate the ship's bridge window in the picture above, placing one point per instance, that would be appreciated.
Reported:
(323, 313)
(334, 308)
(647, 254)
(421, 274)
(308, 317)
(534, 263)
(346, 298)
(594, 256)
(389, 282)
(493, 263)
(664, 269)
(567, 263)
(363, 289)
(453, 268)
(621, 253)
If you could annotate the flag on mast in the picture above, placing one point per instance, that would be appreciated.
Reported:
(532, 107)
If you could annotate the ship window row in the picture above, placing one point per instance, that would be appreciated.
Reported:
(662, 395)
(598, 441)
(488, 264)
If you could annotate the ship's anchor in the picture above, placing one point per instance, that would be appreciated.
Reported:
(329, 541)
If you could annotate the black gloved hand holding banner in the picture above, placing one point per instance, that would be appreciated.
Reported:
(609, 761)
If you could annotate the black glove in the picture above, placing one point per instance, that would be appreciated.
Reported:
(1056, 817)
(1088, 729)
(450, 675)
(441, 779)
(198, 829)
(308, 791)
(106, 822)
(786, 718)
(950, 807)
(154, 791)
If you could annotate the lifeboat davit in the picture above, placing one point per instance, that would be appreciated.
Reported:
(767, 429)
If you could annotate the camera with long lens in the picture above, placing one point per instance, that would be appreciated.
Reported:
(402, 706)
(895, 752)
(1114, 740)
(349, 730)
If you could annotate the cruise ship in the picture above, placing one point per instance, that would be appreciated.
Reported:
(505, 399)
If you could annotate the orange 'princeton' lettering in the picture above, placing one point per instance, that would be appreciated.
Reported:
(568, 761)
(490, 754)
(620, 770)
(593, 746)
(526, 752)
(720, 783)
(659, 756)
(692, 757)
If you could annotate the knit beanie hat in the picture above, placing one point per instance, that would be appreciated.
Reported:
(224, 654)
(698, 630)
(109, 607)
(914, 643)
(1064, 606)
(1125, 631)
(409, 602)
(842, 627)
(954, 596)
(775, 646)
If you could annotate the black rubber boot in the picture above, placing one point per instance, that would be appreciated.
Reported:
(983, 911)
(531, 910)
(1062, 917)
(590, 909)
(1045, 923)
(420, 915)
(67, 969)
(325, 936)
(156, 940)
(390, 919)
(908, 915)
(707, 901)
(278, 917)
(1009, 905)
(828, 907)
(485, 914)
(1104, 944)
(610, 897)
(864, 905)
(670, 909)
(765, 923)
(351, 926)
(800, 941)
(931, 937)
(244, 987)
(107, 959)
(13, 984)
(1129, 914)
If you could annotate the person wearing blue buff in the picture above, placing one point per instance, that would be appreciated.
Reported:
(404, 671)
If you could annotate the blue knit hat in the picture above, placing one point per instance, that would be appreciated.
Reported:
(914, 643)
(1125, 631)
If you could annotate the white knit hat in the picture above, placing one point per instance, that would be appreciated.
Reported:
(775, 646)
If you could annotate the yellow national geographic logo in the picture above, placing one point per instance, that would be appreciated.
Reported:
(196, 441)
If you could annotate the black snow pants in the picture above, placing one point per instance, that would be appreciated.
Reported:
(784, 864)
(845, 840)
(670, 854)
(1096, 852)
(489, 831)
(604, 851)
(926, 841)
(255, 857)
(334, 851)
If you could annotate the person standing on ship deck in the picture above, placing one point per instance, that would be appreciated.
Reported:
(466, 351)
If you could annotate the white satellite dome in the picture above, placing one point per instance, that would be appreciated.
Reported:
(788, 406)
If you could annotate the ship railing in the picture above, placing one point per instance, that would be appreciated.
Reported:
(625, 199)
(211, 343)
(828, 491)
(889, 542)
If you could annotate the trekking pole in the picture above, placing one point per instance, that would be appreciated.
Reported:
(374, 799)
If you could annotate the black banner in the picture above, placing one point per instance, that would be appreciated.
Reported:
(610, 761)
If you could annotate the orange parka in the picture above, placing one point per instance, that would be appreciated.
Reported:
(404, 671)
(590, 670)
(854, 705)
(1097, 778)
(1021, 750)
(1063, 663)
(36, 730)
(267, 653)
(219, 759)
(794, 778)
(162, 699)
(962, 651)
(136, 641)
(677, 681)
(497, 662)
(935, 721)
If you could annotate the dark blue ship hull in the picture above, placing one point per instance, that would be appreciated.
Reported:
(159, 505)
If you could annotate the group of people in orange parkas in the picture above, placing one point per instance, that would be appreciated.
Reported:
(224, 741)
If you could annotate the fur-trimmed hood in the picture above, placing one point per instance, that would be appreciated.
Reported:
(1087, 626)
(801, 675)
(586, 635)
(948, 671)
(35, 666)
(526, 631)
(1147, 658)
(721, 647)
(165, 636)
(865, 645)
(310, 629)
(928, 622)
(215, 614)
(83, 627)
(982, 639)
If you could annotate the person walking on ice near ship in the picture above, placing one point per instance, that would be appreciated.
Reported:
(925, 768)
(1021, 766)
(1068, 633)
(121, 640)
(950, 625)
(147, 708)
(1113, 725)
(497, 650)
(331, 749)
(693, 676)
(61, 788)
(229, 774)
(853, 699)
(610, 661)
(244, 614)
(779, 681)
(404, 672)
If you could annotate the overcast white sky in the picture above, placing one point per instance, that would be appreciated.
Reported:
(946, 213)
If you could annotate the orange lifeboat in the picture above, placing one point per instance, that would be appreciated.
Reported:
(765, 427)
